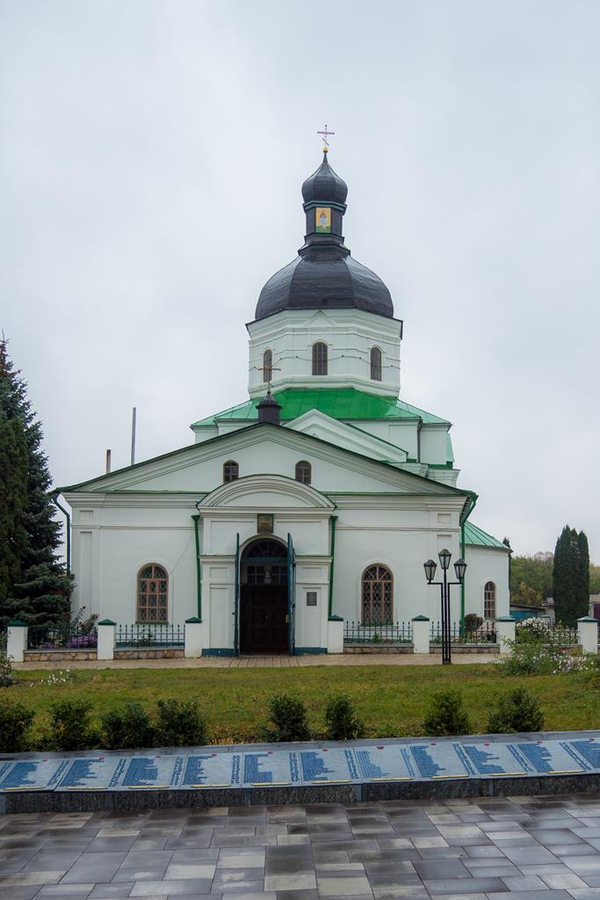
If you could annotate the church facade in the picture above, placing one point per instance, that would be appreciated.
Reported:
(314, 501)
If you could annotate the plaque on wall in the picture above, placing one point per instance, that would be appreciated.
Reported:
(264, 523)
(311, 598)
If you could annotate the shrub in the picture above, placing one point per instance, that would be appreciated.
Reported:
(473, 622)
(288, 715)
(15, 722)
(127, 727)
(7, 676)
(342, 721)
(530, 654)
(447, 715)
(516, 711)
(70, 726)
(180, 724)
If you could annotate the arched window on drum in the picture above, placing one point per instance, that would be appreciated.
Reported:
(152, 594)
(489, 600)
(377, 595)
(319, 358)
(376, 364)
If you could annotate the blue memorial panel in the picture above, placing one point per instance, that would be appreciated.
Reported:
(496, 759)
(271, 767)
(445, 759)
(385, 763)
(552, 757)
(34, 775)
(139, 772)
(589, 750)
(328, 765)
(211, 770)
(90, 774)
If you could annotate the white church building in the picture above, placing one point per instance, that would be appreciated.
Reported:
(317, 502)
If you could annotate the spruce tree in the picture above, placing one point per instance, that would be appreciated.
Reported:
(583, 576)
(570, 576)
(33, 584)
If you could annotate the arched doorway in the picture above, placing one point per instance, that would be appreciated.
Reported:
(264, 597)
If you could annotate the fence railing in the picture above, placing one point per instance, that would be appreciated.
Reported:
(373, 634)
(70, 636)
(555, 634)
(483, 634)
(150, 636)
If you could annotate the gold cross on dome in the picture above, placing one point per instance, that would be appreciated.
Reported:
(325, 134)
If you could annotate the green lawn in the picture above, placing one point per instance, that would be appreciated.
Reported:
(392, 700)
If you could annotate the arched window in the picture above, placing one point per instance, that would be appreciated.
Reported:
(377, 595)
(152, 594)
(231, 471)
(375, 364)
(267, 366)
(489, 600)
(303, 471)
(319, 358)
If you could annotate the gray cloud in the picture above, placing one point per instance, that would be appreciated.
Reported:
(150, 167)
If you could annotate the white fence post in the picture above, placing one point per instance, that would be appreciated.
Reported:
(587, 634)
(420, 634)
(193, 638)
(335, 634)
(17, 641)
(106, 639)
(505, 632)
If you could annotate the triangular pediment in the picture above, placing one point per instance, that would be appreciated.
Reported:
(326, 428)
(263, 449)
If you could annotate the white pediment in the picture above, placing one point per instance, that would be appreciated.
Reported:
(320, 425)
(266, 491)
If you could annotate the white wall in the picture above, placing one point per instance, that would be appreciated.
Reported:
(486, 564)
(349, 335)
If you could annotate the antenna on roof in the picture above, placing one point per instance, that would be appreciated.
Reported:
(133, 433)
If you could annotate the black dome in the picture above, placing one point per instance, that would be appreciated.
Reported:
(324, 275)
(324, 281)
(324, 186)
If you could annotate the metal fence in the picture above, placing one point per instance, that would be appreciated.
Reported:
(554, 634)
(387, 633)
(67, 636)
(150, 636)
(485, 633)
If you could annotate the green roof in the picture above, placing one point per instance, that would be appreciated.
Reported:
(479, 538)
(339, 403)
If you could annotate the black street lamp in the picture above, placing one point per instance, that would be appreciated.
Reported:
(460, 568)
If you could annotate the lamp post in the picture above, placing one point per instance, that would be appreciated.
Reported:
(460, 567)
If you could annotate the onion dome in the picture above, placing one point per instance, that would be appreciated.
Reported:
(324, 275)
(324, 186)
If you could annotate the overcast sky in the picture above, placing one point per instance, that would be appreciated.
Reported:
(151, 158)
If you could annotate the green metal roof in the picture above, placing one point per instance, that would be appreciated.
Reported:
(479, 538)
(339, 403)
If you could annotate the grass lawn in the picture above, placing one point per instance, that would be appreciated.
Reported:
(392, 700)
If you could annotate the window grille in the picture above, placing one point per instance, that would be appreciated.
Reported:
(319, 358)
(231, 471)
(489, 600)
(377, 595)
(303, 472)
(152, 594)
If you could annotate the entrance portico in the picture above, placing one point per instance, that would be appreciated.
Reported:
(265, 592)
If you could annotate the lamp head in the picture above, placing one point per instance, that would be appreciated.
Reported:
(460, 567)
(430, 566)
(444, 557)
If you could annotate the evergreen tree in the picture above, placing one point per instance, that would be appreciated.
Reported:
(570, 576)
(583, 576)
(33, 585)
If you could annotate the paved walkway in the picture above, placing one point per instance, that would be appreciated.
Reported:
(521, 849)
(230, 662)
